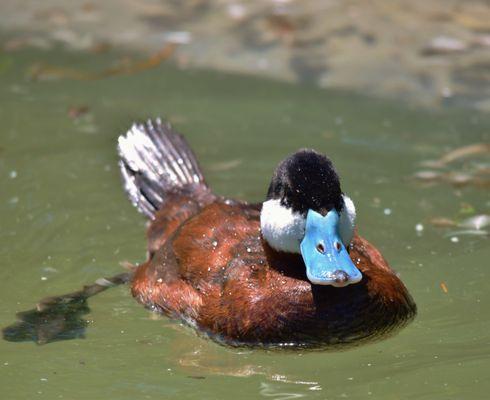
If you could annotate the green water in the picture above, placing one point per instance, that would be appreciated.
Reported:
(65, 221)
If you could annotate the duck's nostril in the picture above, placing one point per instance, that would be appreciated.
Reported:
(340, 276)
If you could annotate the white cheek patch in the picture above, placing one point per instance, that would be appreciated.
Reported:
(281, 227)
(347, 221)
(284, 229)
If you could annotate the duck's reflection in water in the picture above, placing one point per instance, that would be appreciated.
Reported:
(199, 359)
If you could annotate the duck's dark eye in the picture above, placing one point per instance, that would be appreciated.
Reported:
(338, 246)
(320, 248)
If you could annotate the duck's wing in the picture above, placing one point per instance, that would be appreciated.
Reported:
(383, 281)
(217, 245)
(178, 208)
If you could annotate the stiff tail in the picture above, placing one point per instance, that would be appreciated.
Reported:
(156, 160)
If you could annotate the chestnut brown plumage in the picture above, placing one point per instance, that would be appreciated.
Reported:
(215, 271)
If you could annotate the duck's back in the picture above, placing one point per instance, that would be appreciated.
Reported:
(200, 263)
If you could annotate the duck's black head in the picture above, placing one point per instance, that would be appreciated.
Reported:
(306, 180)
(306, 212)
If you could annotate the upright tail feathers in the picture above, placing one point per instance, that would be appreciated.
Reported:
(156, 160)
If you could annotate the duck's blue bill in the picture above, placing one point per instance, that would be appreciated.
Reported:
(326, 259)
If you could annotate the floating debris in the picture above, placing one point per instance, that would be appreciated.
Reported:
(40, 71)
(460, 153)
(428, 176)
(442, 222)
(444, 287)
(470, 226)
(476, 222)
(456, 179)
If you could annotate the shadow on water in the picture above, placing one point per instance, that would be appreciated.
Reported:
(59, 317)
(62, 320)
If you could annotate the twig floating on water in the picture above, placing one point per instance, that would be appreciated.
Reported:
(41, 71)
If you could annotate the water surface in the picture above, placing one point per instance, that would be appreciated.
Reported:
(65, 221)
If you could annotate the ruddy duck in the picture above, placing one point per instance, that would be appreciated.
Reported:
(291, 271)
